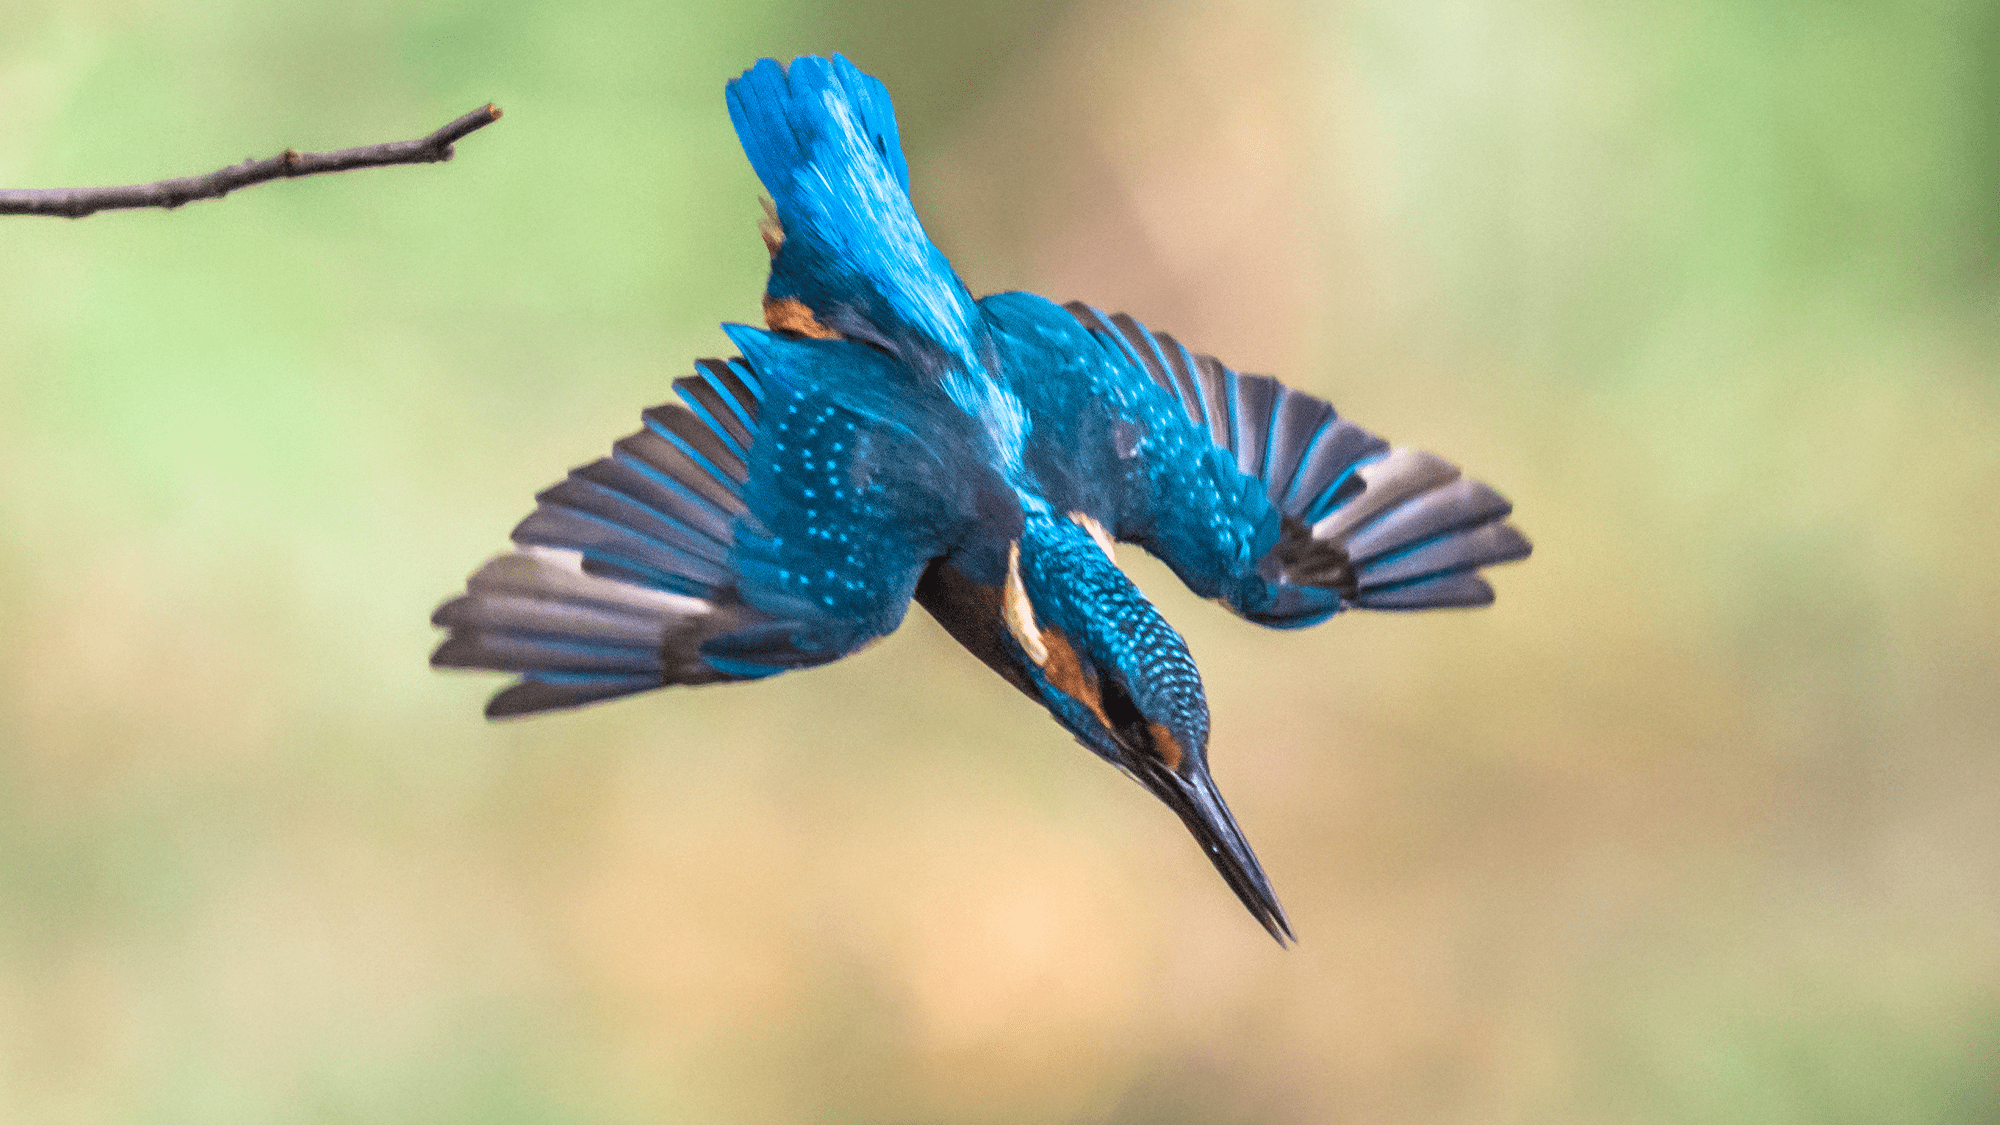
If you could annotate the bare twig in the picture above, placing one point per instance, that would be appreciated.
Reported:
(75, 203)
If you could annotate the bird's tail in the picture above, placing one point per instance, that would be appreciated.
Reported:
(849, 257)
(787, 118)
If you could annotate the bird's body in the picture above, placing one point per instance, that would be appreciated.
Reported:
(887, 437)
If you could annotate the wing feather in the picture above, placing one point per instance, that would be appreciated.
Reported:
(1362, 523)
(660, 563)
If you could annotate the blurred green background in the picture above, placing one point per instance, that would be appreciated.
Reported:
(1700, 823)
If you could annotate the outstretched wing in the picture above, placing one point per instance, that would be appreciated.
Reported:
(1360, 523)
(768, 522)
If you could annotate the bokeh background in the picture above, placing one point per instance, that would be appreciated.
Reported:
(1700, 823)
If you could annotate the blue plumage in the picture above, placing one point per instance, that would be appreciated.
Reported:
(849, 257)
(887, 438)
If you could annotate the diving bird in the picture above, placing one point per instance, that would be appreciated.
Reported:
(886, 437)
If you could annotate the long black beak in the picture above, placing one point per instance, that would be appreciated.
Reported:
(1201, 808)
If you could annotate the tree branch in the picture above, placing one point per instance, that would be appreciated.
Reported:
(75, 203)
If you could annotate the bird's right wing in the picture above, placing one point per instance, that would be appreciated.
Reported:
(1358, 523)
(779, 519)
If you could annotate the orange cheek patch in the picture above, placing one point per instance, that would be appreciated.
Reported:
(1166, 746)
(789, 314)
(1065, 673)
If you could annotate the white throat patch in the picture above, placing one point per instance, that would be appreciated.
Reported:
(1019, 612)
(1097, 532)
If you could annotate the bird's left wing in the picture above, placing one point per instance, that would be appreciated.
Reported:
(777, 519)
(1301, 513)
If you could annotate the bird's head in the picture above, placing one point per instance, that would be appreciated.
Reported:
(1104, 662)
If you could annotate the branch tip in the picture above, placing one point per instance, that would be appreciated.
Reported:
(75, 203)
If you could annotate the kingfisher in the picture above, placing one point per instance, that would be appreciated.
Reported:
(885, 438)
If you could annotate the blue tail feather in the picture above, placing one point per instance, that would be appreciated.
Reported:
(849, 249)
(781, 112)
